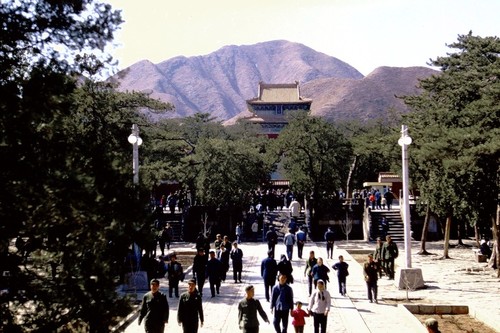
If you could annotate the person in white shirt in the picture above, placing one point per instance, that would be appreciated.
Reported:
(294, 209)
(255, 230)
(319, 306)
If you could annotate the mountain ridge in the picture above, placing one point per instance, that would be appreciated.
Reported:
(219, 83)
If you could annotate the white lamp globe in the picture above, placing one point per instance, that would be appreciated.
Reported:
(132, 139)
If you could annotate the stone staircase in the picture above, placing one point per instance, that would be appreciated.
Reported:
(176, 222)
(396, 225)
(280, 220)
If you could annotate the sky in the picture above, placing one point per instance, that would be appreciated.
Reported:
(366, 34)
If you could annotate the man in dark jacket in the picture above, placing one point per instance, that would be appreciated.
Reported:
(175, 274)
(237, 258)
(154, 309)
(190, 309)
(330, 239)
(281, 304)
(272, 239)
(389, 254)
(247, 312)
(214, 272)
(371, 277)
(268, 271)
(200, 269)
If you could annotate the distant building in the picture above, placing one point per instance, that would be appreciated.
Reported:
(272, 103)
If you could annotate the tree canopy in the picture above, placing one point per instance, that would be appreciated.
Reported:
(315, 156)
(455, 127)
(67, 191)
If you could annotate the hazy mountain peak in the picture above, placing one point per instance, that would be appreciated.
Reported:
(219, 83)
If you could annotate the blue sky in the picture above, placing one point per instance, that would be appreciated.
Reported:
(365, 34)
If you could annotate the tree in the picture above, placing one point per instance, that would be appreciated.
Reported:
(456, 130)
(66, 184)
(375, 147)
(315, 157)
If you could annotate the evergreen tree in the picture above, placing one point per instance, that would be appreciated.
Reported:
(456, 133)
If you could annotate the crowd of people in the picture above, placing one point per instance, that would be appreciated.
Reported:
(277, 278)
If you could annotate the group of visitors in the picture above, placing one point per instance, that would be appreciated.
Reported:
(155, 309)
(279, 295)
(378, 200)
(215, 267)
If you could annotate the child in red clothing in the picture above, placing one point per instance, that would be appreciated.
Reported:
(298, 318)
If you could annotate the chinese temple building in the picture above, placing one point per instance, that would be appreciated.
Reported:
(272, 103)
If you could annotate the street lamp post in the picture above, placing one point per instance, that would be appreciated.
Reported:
(404, 142)
(136, 141)
(409, 278)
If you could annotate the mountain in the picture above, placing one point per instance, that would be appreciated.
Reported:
(374, 96)
(219, 83)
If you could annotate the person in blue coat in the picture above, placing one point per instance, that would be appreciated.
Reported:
(281, 304)
(320, 272)
(342, 272)
(214, 273)
(268, 272)
(237, 258)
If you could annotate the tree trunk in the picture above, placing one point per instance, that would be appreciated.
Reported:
(423, 251)
(460, 233)
(477, 236)
(447, 236)
(496, 234)
(351, 169)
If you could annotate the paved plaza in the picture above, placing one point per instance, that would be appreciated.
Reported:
(456, 281)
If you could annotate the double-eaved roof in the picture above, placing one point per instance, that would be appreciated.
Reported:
(279, 93)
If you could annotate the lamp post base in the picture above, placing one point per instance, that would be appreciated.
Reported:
(409, 278)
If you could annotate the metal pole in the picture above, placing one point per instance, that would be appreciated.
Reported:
(135, 155)
(406, 194)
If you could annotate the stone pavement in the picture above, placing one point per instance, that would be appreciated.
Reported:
(456, 281)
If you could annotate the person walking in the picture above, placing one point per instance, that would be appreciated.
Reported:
(320, 272)
(255, 230)
(289, 241)
(310, 263)
(389, 254)
(294, 209)
(389, 197)
(154, 309)
(213, 273)
(371, 277)
(268, 272)
(301, 240)
(247, 312)
(319, 306)
(384, 225)
(164, 238)
(377, 257)
(200, 269)
(285, 268)
(224, 259)
(330, 240)
(217, 243)
(237, 259)
(238, 233)
(272, 239)
(298, 316)
(190, 309)
(175, 274)
(281, 304)
(342, 272)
